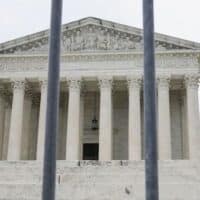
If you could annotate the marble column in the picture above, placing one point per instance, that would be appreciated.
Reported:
(6, 127)
(26, 124)
(105, 131)
(16, 124)
(81, 123)
(2, 119)
(73, 124)
(164, 126)
(134, 122)
(42, 120)
(193, 125)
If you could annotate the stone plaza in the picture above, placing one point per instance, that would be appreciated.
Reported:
(100, 142)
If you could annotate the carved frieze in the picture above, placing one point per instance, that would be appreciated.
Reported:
(96, 38)
(40, 63)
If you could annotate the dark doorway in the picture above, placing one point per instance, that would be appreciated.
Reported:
(91, 151)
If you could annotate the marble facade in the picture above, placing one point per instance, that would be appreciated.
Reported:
(119, 111)
(102, 61)
(101, 78)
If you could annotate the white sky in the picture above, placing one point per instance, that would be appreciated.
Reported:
(179, 18)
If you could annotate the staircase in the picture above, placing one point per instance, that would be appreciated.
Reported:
(90, 180)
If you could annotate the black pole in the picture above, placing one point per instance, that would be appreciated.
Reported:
(49, 172)
(150, 125)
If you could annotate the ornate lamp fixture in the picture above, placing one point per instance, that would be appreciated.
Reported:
(95, 125)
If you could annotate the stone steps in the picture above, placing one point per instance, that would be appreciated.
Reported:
(116, 180)
(97, 191)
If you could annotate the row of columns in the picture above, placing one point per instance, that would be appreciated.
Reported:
(73, 145)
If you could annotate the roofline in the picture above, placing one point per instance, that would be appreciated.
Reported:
(157, 53)
(100, 22)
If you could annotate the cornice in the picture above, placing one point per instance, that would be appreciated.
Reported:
(106, 52)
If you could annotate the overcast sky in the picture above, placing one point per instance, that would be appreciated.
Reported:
(179, 18)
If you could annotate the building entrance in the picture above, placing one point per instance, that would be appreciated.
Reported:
(91, 151)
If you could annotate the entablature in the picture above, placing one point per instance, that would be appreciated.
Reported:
(170, 60)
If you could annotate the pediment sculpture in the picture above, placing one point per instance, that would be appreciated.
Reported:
(91, 38)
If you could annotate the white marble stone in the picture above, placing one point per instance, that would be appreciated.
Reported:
(193, 124)
(105, 127)
(99, 180)
(73, 148)
(164, 126)
(16, 124)
(135, 141)
(102, 55)
(42, 120)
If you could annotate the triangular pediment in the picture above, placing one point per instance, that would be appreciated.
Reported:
(92, 34)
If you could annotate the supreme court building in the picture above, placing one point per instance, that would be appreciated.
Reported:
(100, 111)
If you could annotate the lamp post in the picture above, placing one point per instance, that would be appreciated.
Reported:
(49, 172)
(150, 125)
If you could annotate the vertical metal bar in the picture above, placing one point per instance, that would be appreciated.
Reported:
(150, 125)
(49, 172)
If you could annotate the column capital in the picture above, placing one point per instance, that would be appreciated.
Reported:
(191, 80)
(43, 82)
(18, 84)
(163, 81)
(105, 82)
(134, 81)
(74, 83)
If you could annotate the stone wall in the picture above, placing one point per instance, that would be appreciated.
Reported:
(87, 180)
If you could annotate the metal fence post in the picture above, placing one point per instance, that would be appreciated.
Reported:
(49, 172)
(150, 125)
